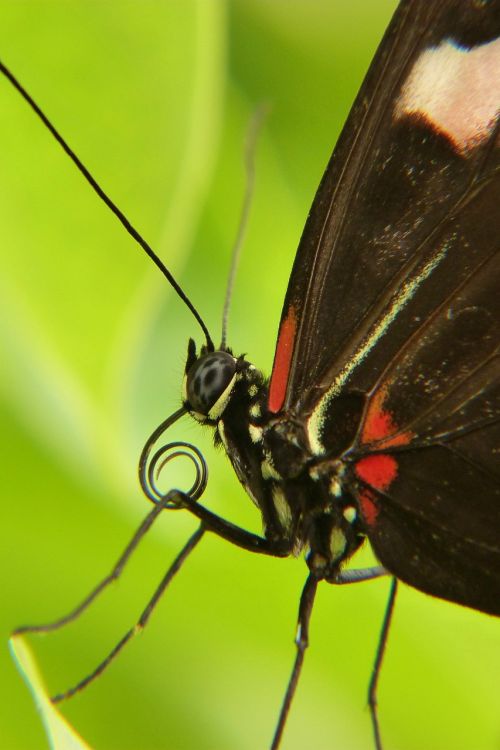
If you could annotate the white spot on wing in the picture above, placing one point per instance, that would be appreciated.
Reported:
(457, 90)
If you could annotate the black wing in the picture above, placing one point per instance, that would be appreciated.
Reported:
(393, 299)
(397, 173)
(426, 461)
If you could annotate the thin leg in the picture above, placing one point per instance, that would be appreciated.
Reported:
(115, 573)
(358, 575)
(232, 533)
(143, 619)
(382, 642)
(211, 522)
(302, 642)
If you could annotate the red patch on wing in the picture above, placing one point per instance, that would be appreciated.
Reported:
(282, 361)
(379, 424)
(369, 507)
(379, 471)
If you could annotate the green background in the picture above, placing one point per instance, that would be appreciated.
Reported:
(155, 97)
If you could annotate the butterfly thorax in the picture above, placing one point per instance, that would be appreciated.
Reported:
(301, 496)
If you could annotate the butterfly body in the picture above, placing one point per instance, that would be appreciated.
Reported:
(382, 418)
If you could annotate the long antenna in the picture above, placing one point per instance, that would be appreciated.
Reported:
(250, 147)
(114, 208)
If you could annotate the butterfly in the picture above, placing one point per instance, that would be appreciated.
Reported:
(365, 412)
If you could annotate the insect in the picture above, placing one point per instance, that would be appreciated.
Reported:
(375, 470)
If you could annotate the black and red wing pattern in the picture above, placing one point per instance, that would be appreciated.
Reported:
(390, 182)
(395, 294)
(428, 451)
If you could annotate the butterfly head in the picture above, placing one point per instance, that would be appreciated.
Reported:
(210, 377)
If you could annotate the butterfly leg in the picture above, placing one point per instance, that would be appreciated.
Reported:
(360, 574)
(302, 642)
(166, 502)
(382, 642)
(143, 619)
(235, 534)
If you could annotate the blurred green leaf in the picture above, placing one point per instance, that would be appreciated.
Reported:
(60, 733)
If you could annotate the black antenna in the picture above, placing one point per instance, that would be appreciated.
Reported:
(250, 147)
(114, 208)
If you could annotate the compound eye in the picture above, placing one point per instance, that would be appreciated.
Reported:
(207, 380)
